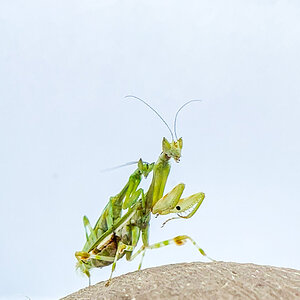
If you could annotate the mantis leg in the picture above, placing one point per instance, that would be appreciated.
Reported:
(121, 248)
(87, 226)
(82, 255)
(132, 193)
(135, 235)
(83, 258)
(145, 239)
(178, 240)
(133, 198)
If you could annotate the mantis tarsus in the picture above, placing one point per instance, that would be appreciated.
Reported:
(116, 234)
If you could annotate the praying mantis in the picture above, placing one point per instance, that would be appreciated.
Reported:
(126, 217)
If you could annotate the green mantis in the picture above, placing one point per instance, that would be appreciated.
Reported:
(126, 217)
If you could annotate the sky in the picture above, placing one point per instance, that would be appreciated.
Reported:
(65, 67)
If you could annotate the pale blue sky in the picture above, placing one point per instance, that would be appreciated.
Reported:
(65, 67)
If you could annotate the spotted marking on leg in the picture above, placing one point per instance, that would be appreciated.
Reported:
(179, 240)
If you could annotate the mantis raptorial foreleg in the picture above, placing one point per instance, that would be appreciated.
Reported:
(171, 203)
(133, 194)
(133, 198)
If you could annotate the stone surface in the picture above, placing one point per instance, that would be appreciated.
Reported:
(216, 280)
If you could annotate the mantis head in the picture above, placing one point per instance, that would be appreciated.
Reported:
(172, 149)
(145, 168)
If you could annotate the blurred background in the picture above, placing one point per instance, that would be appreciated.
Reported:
(65, 67)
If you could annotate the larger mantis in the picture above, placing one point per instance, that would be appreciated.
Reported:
(116, 234)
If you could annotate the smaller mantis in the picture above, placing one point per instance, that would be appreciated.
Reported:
(110, 215)
(115, 235)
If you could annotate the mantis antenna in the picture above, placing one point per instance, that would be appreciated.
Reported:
(120, 166)
(130, 96)
(175, 121)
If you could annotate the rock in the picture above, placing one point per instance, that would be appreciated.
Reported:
(216, 280)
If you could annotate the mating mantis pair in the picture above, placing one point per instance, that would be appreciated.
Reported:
(116, 234)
